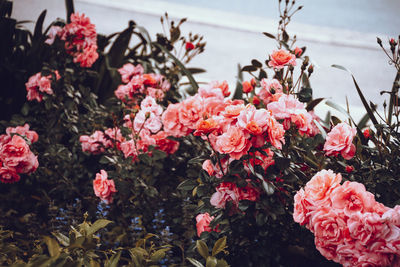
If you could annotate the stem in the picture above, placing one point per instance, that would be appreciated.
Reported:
(393, 95)
(217, 155)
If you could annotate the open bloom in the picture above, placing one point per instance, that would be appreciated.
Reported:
(340, 140)
(281, 58)
(104, 188)
(203, 223)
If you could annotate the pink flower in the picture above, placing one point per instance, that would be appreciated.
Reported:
(281, 58)
(264, 159)
(203, 221)
(352, 197)
(15, 154)
(276, 133)
(191, 111)
(340, 140)
(93, 144)
(208, 167)
(147, 120)
(51, 35)
(226, 191)
(169, 146)
(211, 92)
(302, 208)
(8, 175)
(23, 130)
(270, 87)
(233, 142)
(320, 187)
(149, 104)
(123, 91)
(128, 70)
(171, 122)
(223, 86)
(248, 193)
(87, 57)
(285, 107)
(329, 227)
(367, 227)
(36, 85)
(104, 188)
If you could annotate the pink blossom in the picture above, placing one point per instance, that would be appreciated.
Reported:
(51, 35)
(320, 187)
(340, 140)
(281, 58)
(169, 146)
(233, 142)
(276, 133)
(203, 221)
(149, 104)
(36, 85)
(104, 188)
(147, 120)
(223, 86)
(269, 88)
(352, 197)
(191, 111)
(226, 191)
(128, 70)
(23, 130)
(171, 122)
(8, 175)
(93, 144)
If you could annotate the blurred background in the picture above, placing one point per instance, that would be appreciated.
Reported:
(335, 32)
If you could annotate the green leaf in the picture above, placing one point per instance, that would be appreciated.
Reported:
(64, 240)
(222, 263)
(52, 246)
(363, 122)
(249, 68)
(269, 35)
(363, 100)
(181, 66)
(305, 94)
(69, 7)
(195, 262)
(219, 246)
(202, 248)
(39, 26)
(158, 255)
(196, 70)
(256, 63)
(119, 47)
(314, 103)
(187, 185)
(211, 262)
(113, 261)
(97, 225)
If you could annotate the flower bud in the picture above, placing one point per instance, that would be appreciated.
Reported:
(189, 46)
(247, 88)
(349, 168)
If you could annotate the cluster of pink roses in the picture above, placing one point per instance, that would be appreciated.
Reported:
(103, 187)
(349, 225)
(38, 84)
(15, 154)
(340, 140)
(137, 83)
(203, 221)
(80, 39)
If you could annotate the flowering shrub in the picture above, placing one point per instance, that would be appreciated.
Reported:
(349, 225)
(15, 154)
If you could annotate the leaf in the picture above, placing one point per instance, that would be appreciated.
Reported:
(69, 7)
(320, 128)
(338, 108)
(158, 255)
(314, 103)
(211, 262)
(195, 262)
(39, 26)
(222, 263)
(64, 240)
(181, 66)
(269, 35)
(256, 63)
(363, 122)
(113, 261)
(97, 225)
(52, 246)
(268, 188)
(249, 68)
(262, 74)
(202, 248)
(219, 246)
(363, 100)
(119, 47)
(305, 94)
(187, 185)
(196, 70)
(285, 36)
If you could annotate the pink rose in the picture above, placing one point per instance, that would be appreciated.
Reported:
(329, 226)
(366, 227)
(149, 104)
(104, 188)
(233, 142)
(280, 58)
(169, 146)
(226, 191)
(51, 35)
(147, 120)
(340, 140)
(128, 70)
(302, 208)
(208, 167)
(94, 144)
(352, 197)
(16, 154)
(8, 175)
(276, 133)
(171, 122)
(223, 86)
(191, 111)
(320, 187)
(270, 87)
(23, 130)
(203, 223)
